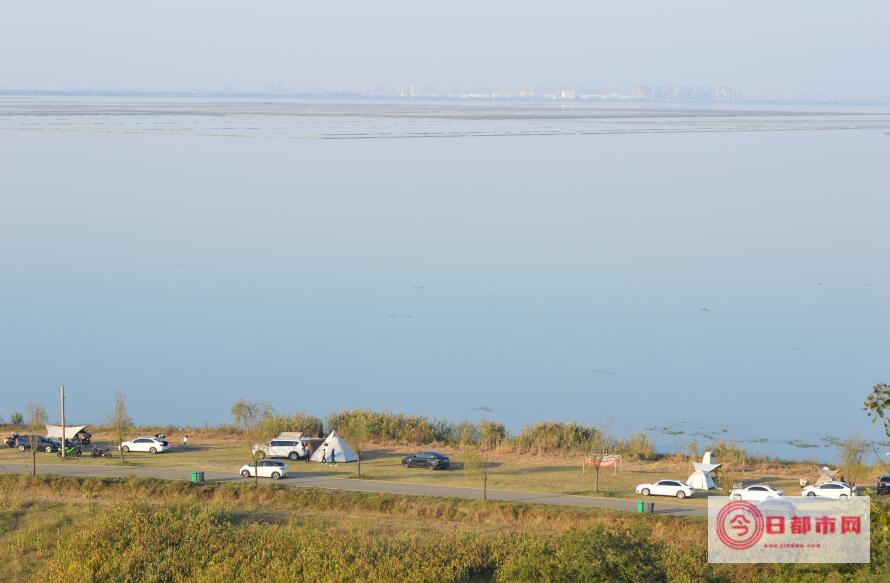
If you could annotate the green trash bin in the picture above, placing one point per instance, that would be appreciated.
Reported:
(641, 506)
(197, 477)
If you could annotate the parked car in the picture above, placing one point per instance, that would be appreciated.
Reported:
(666, 488)
(293, 449)
(149, 444)
(777, 506)
(883, 485)
(265, 469)
(755, 492)
(836, 490)
(23, 443)
(432, 460)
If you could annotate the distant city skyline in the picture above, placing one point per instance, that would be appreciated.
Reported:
(643, 93)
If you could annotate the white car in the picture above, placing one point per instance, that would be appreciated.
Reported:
(292, 449)
(265, 469)
(666, 488)
(757, 492)
(149, 444)
(836, 490)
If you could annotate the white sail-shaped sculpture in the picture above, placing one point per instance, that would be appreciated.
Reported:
(701, 478)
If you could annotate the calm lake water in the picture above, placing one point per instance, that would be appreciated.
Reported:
(704, 274)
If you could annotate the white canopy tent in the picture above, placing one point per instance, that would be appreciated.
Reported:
(55, 431)
(342, 452)
(701, 478)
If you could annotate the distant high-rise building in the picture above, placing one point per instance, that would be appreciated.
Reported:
(642, 92)
(682, 93)
(724, 94)
(408, 91)
(568, 94)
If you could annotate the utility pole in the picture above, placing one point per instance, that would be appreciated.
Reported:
(63, 420)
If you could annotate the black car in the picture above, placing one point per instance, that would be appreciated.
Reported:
(883, 485)
(23, 442)
(426, 459)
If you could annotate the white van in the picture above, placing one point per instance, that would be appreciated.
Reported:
(292, 449)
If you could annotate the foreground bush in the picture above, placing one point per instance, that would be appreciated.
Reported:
(175, 531)
(195, 543)
(199, 543)
(593, 554)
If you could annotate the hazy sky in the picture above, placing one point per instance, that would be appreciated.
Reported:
(756, 46)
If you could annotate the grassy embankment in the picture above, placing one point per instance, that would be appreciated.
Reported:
(542, 457)
(64, 529)
(559, 473)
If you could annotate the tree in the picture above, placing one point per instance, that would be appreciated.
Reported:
(600, 445)
(16, 418)
(121, 421)
(476, 466)
(245, 413)
(356, 432)
(852, 454)
(253, 432)
(878, 405)
(36, 426)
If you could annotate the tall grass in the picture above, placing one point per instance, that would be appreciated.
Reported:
(274, 424)
(394, 426)
(551, 436)
(638, 446)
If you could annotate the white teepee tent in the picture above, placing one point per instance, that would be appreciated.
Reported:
(342, 452)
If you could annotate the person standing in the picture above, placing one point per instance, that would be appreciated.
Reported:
(333, 461)
(185, 441)
(324, 455)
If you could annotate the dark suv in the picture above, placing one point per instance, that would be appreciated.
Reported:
(23, 442)
(883, 484)
(426, 459)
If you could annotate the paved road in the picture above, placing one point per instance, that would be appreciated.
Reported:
(318, 480)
